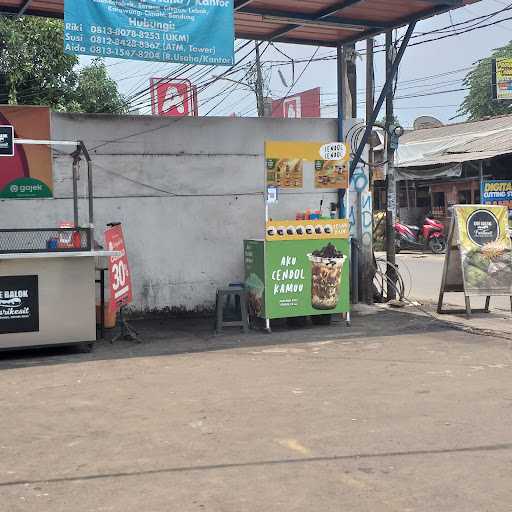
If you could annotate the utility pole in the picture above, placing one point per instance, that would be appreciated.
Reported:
(260, 102)
(367, 257)
(390, 179)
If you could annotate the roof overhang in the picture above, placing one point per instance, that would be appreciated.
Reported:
(310, 22)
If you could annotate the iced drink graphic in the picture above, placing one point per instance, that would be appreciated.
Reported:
(326, 272)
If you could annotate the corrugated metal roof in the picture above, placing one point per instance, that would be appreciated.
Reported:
(462, 142)
(315, 22)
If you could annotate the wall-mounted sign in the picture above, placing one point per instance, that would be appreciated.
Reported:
(182, 31)
(272, 194)
(286, 160)
(6, 141)
(303, 104)
(502, 78)
(19, 304)
(118, 269)
(497, 192)
(173, 98)
(28, 173)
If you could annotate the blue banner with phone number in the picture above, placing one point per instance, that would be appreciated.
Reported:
(182, 31)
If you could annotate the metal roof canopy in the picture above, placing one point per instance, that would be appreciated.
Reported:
(311, 22)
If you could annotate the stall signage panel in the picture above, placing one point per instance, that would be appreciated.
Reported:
(485, 249)
(305, 278)
(254, 258)
(182, 31)
(19, 304)
(6, 141)
(497, 192)
(118, 269)
(322, 229)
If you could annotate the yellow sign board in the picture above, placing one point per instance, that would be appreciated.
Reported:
(504, 78)
(310, 151)
(321, 229)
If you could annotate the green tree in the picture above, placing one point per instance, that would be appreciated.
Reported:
(34, 67)
(96, 92)
(479, 101)
(34, 70)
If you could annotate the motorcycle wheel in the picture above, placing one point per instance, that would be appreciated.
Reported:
(437, 245)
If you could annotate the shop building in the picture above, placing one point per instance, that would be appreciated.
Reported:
(439, 167)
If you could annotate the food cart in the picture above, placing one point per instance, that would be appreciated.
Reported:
(301, 265)
(47, 276)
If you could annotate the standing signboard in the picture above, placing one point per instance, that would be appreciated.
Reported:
(118, 269)
(173, 98)
(497, 192)
(19, 304)
(502, 78)
(478, 259)
(27, 172)
(182, 31)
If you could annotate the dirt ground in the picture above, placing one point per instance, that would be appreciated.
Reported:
(396, 413)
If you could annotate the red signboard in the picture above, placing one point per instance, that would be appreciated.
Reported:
(118, 269)
(173, 98)
(303, 104)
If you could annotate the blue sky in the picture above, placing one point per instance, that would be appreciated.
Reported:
(454, 55)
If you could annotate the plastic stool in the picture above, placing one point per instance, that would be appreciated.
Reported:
(240, 296)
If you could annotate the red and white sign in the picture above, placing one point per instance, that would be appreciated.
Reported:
(303, 104)
(120, 282)
(174, 98)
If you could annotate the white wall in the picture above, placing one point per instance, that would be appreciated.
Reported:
(187, 191)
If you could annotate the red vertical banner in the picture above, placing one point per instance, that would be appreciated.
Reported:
(120, 282)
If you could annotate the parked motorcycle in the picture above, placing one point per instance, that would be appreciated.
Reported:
(431, 235)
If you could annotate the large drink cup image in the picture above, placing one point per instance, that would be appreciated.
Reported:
(326, 272)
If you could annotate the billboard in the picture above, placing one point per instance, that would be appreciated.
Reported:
(173, 98)
(302, 104)
(182, 31)
(502, 78)
(28, 173)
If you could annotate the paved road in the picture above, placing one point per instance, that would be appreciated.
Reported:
(422, 274)
(397, 413)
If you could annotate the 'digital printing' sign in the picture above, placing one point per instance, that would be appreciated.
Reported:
(183, 31)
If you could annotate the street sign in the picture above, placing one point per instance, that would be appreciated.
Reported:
(184, 31)
(120, 282)
(6, 141)
(173, 98)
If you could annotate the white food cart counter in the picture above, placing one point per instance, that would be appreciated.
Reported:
(48, 298)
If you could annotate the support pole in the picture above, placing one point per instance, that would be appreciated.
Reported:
(390, 76)
(76, 163)
(259, 83)
(390, 179)
(90, 191)
(341, 111)
(481, 176)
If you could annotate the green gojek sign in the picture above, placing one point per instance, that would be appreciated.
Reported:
(25, 188)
